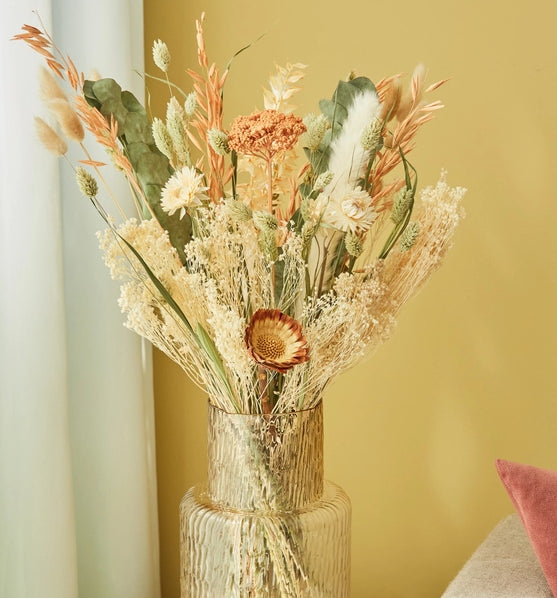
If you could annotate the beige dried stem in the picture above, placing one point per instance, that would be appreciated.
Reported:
(208, 89)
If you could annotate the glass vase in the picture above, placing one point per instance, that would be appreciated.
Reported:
(266, 524)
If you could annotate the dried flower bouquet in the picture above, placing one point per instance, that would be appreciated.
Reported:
(262, 270)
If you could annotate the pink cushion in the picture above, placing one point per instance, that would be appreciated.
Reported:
(534, 494)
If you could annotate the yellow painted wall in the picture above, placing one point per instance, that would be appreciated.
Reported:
(470, 375)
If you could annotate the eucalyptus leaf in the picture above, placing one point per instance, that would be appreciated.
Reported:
(363, 84)
(131, 103)
(152, 168)
(106, 89)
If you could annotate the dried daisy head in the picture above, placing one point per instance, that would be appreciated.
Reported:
(183, 190)
(352, 212)
(275, 340)
(265, 133)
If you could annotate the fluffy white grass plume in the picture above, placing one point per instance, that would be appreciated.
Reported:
(348, 157)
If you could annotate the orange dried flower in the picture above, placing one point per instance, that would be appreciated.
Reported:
(265, 133)
(275, 340)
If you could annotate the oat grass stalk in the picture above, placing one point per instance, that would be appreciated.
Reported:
(414, 113)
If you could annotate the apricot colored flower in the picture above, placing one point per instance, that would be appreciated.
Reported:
(265, 133)
(275, 340)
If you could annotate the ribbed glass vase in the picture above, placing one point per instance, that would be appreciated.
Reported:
(265, 525)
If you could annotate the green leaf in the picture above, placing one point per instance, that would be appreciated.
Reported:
(363, 84)
(106, 89)
(344, 95)
(131, 103)
(334, 112)
(151, 168)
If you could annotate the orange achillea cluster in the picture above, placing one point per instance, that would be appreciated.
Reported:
(265, 133)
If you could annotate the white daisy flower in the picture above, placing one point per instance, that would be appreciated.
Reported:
(352, 211)
(183, 190)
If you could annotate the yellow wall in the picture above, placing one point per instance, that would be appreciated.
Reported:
(470, 375)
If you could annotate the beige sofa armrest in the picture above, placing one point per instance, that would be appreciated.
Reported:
(504, 566)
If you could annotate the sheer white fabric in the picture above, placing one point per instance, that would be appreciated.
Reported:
(77, 466)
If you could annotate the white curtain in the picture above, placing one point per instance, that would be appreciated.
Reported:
(78, 510)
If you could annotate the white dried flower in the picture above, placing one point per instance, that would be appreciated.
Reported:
(161, 55)
(353, 212)
(183, 190)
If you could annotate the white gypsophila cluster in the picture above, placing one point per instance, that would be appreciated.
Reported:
(229, 253)
(339, 326)
(228, 332)
(294, 273)
(438, 213)
(147, 312)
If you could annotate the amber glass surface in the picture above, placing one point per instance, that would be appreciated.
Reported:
(266, 524)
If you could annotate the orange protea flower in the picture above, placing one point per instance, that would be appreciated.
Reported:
(275, 340)
(263, 134)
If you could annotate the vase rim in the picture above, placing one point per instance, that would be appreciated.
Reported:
(272, 414)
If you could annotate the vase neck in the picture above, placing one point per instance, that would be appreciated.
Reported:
(265, 461)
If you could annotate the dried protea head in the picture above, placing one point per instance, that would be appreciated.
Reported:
(275, 340)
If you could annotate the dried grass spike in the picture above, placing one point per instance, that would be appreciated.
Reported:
(50, 90)
(68, 119)
(50, 138)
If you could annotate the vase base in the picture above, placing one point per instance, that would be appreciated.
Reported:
(227, 553)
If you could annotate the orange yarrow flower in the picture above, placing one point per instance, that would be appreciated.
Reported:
(265, 133)
(275, 340)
